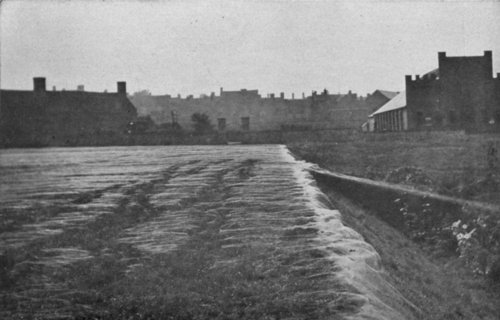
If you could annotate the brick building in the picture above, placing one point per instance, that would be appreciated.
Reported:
(461, 94)
(57, 118)
(247, 110)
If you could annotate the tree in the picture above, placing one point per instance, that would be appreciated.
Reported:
(141, 93)
(201, 123)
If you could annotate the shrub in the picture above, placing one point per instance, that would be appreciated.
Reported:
(478, 242)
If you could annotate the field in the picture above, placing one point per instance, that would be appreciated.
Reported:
(176, 232)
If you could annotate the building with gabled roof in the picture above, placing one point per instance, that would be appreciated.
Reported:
(60, 118)
(392, 116)
(378, 98)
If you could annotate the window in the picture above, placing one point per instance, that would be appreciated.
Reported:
(221, 124)
(245, 123)
(175, 116)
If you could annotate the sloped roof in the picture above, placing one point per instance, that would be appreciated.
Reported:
(433, 72)
(398, 102)
(388, 94)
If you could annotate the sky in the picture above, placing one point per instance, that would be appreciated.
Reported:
(197, 46)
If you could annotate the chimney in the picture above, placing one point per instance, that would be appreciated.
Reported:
(80, 87)
(282, 95)
(39, 84)
(487, 53)
(417, 77)
(441, 55)
(122, 87)
(293, 96)
(53, 88)
(221, 90)
(303, 95)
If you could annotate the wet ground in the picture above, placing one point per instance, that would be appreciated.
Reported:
(179, 232)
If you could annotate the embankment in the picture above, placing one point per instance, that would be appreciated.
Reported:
(410, 230)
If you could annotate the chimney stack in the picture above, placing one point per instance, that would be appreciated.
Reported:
(80, 87)
(39, 84)
(122, 87)
(282, 95)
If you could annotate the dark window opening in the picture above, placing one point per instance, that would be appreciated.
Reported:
(245, 123)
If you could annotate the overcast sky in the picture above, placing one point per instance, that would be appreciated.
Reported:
(193, 47)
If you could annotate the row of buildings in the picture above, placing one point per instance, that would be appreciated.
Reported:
(247, 110)
(461, 94)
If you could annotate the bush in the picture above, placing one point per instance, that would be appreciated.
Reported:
(201, 123)
(478, 242)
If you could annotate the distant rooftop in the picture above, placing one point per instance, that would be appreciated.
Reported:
(398, 102)
(388, 94)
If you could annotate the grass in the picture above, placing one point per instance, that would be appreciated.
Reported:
(440, 286)
(427, 271)
(448, 163)
(201, 279)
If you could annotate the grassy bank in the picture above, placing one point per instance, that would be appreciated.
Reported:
(439, 264)
(441, 288)
(453, 163)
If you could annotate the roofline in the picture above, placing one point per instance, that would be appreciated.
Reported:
(61, 91)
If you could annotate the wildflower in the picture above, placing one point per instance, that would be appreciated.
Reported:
(464, 226)
(456, 224)
(469, 234)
